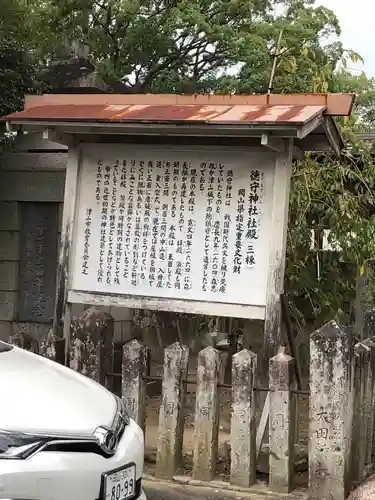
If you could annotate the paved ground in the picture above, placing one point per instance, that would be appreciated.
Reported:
(162, 490)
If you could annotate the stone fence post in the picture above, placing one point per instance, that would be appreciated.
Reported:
(369, 324)
(282, 423)
(206, 415)
(359, 455)
(331, 412)
(370, 402)
(91, 345)
(24, 341)
(135, 366)
(243, 423)
(171, 416)
(49, 346)
(52, 347)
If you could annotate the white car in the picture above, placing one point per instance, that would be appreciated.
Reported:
(63, 436)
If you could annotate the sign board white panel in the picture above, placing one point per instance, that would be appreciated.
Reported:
(190, 224)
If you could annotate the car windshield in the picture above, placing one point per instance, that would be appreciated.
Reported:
(5, 347)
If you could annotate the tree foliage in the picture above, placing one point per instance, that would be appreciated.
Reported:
(18, 56)
(199, 45)
(338, 195)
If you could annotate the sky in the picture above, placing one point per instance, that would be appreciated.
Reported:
(358, 26)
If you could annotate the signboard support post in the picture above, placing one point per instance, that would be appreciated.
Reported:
(275, 280)
(62, 312)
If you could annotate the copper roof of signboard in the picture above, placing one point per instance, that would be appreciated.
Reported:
(253, 109)
(219, 114)
(285, 116)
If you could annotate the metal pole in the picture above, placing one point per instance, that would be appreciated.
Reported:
(275, 56)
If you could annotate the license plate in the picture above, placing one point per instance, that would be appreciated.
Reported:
(120, 484)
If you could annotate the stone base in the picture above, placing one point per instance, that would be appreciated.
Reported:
(364, 492)
(189, 488)
(301, 458)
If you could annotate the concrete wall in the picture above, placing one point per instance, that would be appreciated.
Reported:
(33, 176)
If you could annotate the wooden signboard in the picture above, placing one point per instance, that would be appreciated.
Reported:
(174, 229)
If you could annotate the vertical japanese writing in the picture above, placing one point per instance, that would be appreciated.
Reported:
(237, 261)
(220, 188)
(188, 254)
(112, 219)
(38, 295)
(171, 245)
(252, 233)
(99, 175)
(124, 175)
(163, 232)
(120, 238)
(193, 187)
(103, 224)
(155, 224)
(228, 189)
(173, 226)
(216, 257)
(208, 226)
(138, 223)
(167, 178)
(176, 176)
(129, 219)
(224, 255)
(38, 251)
(146, 221)
(86, 245)
(202, 179)
(154, 242)
(163, 225)
(215, 281)
(178, 275)
(170, 270)
(183, 195)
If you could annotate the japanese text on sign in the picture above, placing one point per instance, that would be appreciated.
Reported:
(184, 224)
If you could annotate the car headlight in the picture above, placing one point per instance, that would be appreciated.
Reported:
(16, 445)
(19, 445)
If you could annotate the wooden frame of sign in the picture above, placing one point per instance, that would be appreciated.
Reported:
(193, 229)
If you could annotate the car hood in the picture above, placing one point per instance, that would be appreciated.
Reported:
(38, 395)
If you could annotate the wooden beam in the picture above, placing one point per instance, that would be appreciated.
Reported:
(264, 417)
(262, 425)
(291, 339)
(167, 304)
(275, 280)
(333, 135)
(309, 127)
(62, 313)
(51, 134)
(273, 143)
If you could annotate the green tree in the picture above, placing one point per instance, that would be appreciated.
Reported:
(335, 194)
(198, 45)
(18, 55)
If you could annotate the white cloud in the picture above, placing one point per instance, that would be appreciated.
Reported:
(358, 27)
